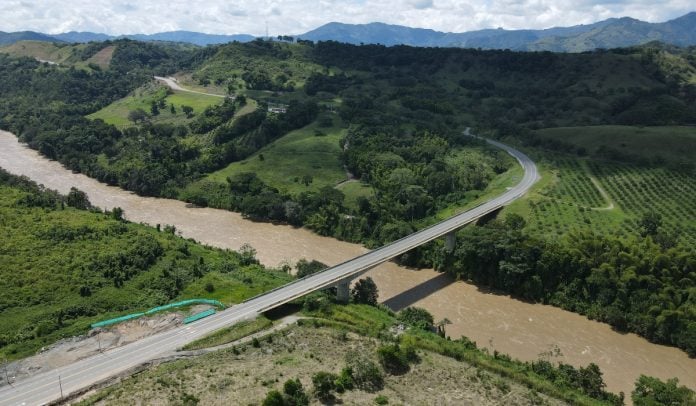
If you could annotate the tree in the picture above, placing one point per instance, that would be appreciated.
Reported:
(515, 221)
(273, 398)
(650, 223)
(307, 180)
(293, 212)
(651, 391)
(188, 110)
(117, 213)
(137, 115)
(392, 359)
(294, 393)
(248, 255)
(324, 383)
(306, 268)
(344, 381)
(365, 373)
(416, 317)
(154, 108)
(591, 381)
(365, 292)
(78, 199)
(172, 108)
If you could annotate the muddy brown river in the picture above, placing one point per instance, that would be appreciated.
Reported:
(495, 321)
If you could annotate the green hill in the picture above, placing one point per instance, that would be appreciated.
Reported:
(65, 267)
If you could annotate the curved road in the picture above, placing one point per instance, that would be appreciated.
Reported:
(174, 85)
(44, 387)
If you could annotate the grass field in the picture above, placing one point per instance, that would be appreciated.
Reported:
(669, 144)
(297, 154)
(62, 54)
(353, 190)
(46, 51)
(117, 113)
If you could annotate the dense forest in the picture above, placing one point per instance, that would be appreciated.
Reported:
(403, 110)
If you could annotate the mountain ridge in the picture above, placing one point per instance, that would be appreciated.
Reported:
(609, 33)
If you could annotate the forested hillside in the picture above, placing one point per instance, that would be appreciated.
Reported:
(66, 265)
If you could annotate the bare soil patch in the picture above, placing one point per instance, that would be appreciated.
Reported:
(244, 377)
(103, 57)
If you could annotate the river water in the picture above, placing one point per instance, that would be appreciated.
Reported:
(495, 321)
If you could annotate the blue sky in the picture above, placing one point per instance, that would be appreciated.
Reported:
(299, 16)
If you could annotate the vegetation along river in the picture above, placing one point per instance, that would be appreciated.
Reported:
(495, 321)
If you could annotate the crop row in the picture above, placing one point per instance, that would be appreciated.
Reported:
(574, 203)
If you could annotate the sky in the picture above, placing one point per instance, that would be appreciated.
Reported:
(299, 16)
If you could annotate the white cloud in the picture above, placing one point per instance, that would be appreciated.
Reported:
(298, 16)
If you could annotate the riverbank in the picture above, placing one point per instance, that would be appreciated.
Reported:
(498, 322)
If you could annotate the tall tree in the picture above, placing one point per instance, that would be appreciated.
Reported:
(365, 292)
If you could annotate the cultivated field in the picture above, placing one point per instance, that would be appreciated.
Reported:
(651, 173)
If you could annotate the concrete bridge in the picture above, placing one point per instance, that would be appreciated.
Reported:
(52, 385)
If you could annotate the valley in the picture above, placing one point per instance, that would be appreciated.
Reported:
(267, 161)
(492, 319)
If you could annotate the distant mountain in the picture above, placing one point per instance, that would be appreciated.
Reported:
(190, 37)
(623, 32)
(376, 33)
(12, 37)
(74, 36)
(196, 38)
(611, 33)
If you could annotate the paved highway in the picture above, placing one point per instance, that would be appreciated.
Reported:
(46, 387)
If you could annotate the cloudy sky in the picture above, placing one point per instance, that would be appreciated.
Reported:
(299, 16)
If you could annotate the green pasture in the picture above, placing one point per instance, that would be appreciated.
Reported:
(117, 112)
(655, 144)
(285, 162)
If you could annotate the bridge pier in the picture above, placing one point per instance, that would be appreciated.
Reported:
(343, 292)
(450, 241)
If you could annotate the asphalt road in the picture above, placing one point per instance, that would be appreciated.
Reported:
(47, 386)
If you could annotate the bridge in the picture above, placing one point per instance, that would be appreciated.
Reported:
(52, 385)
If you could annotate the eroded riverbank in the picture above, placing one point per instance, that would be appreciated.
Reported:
(520, 329)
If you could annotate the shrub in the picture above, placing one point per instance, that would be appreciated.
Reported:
(381, 400)
(365, 373)
(416, 317)
(393, 359)
(273, 398)
(324, 384)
